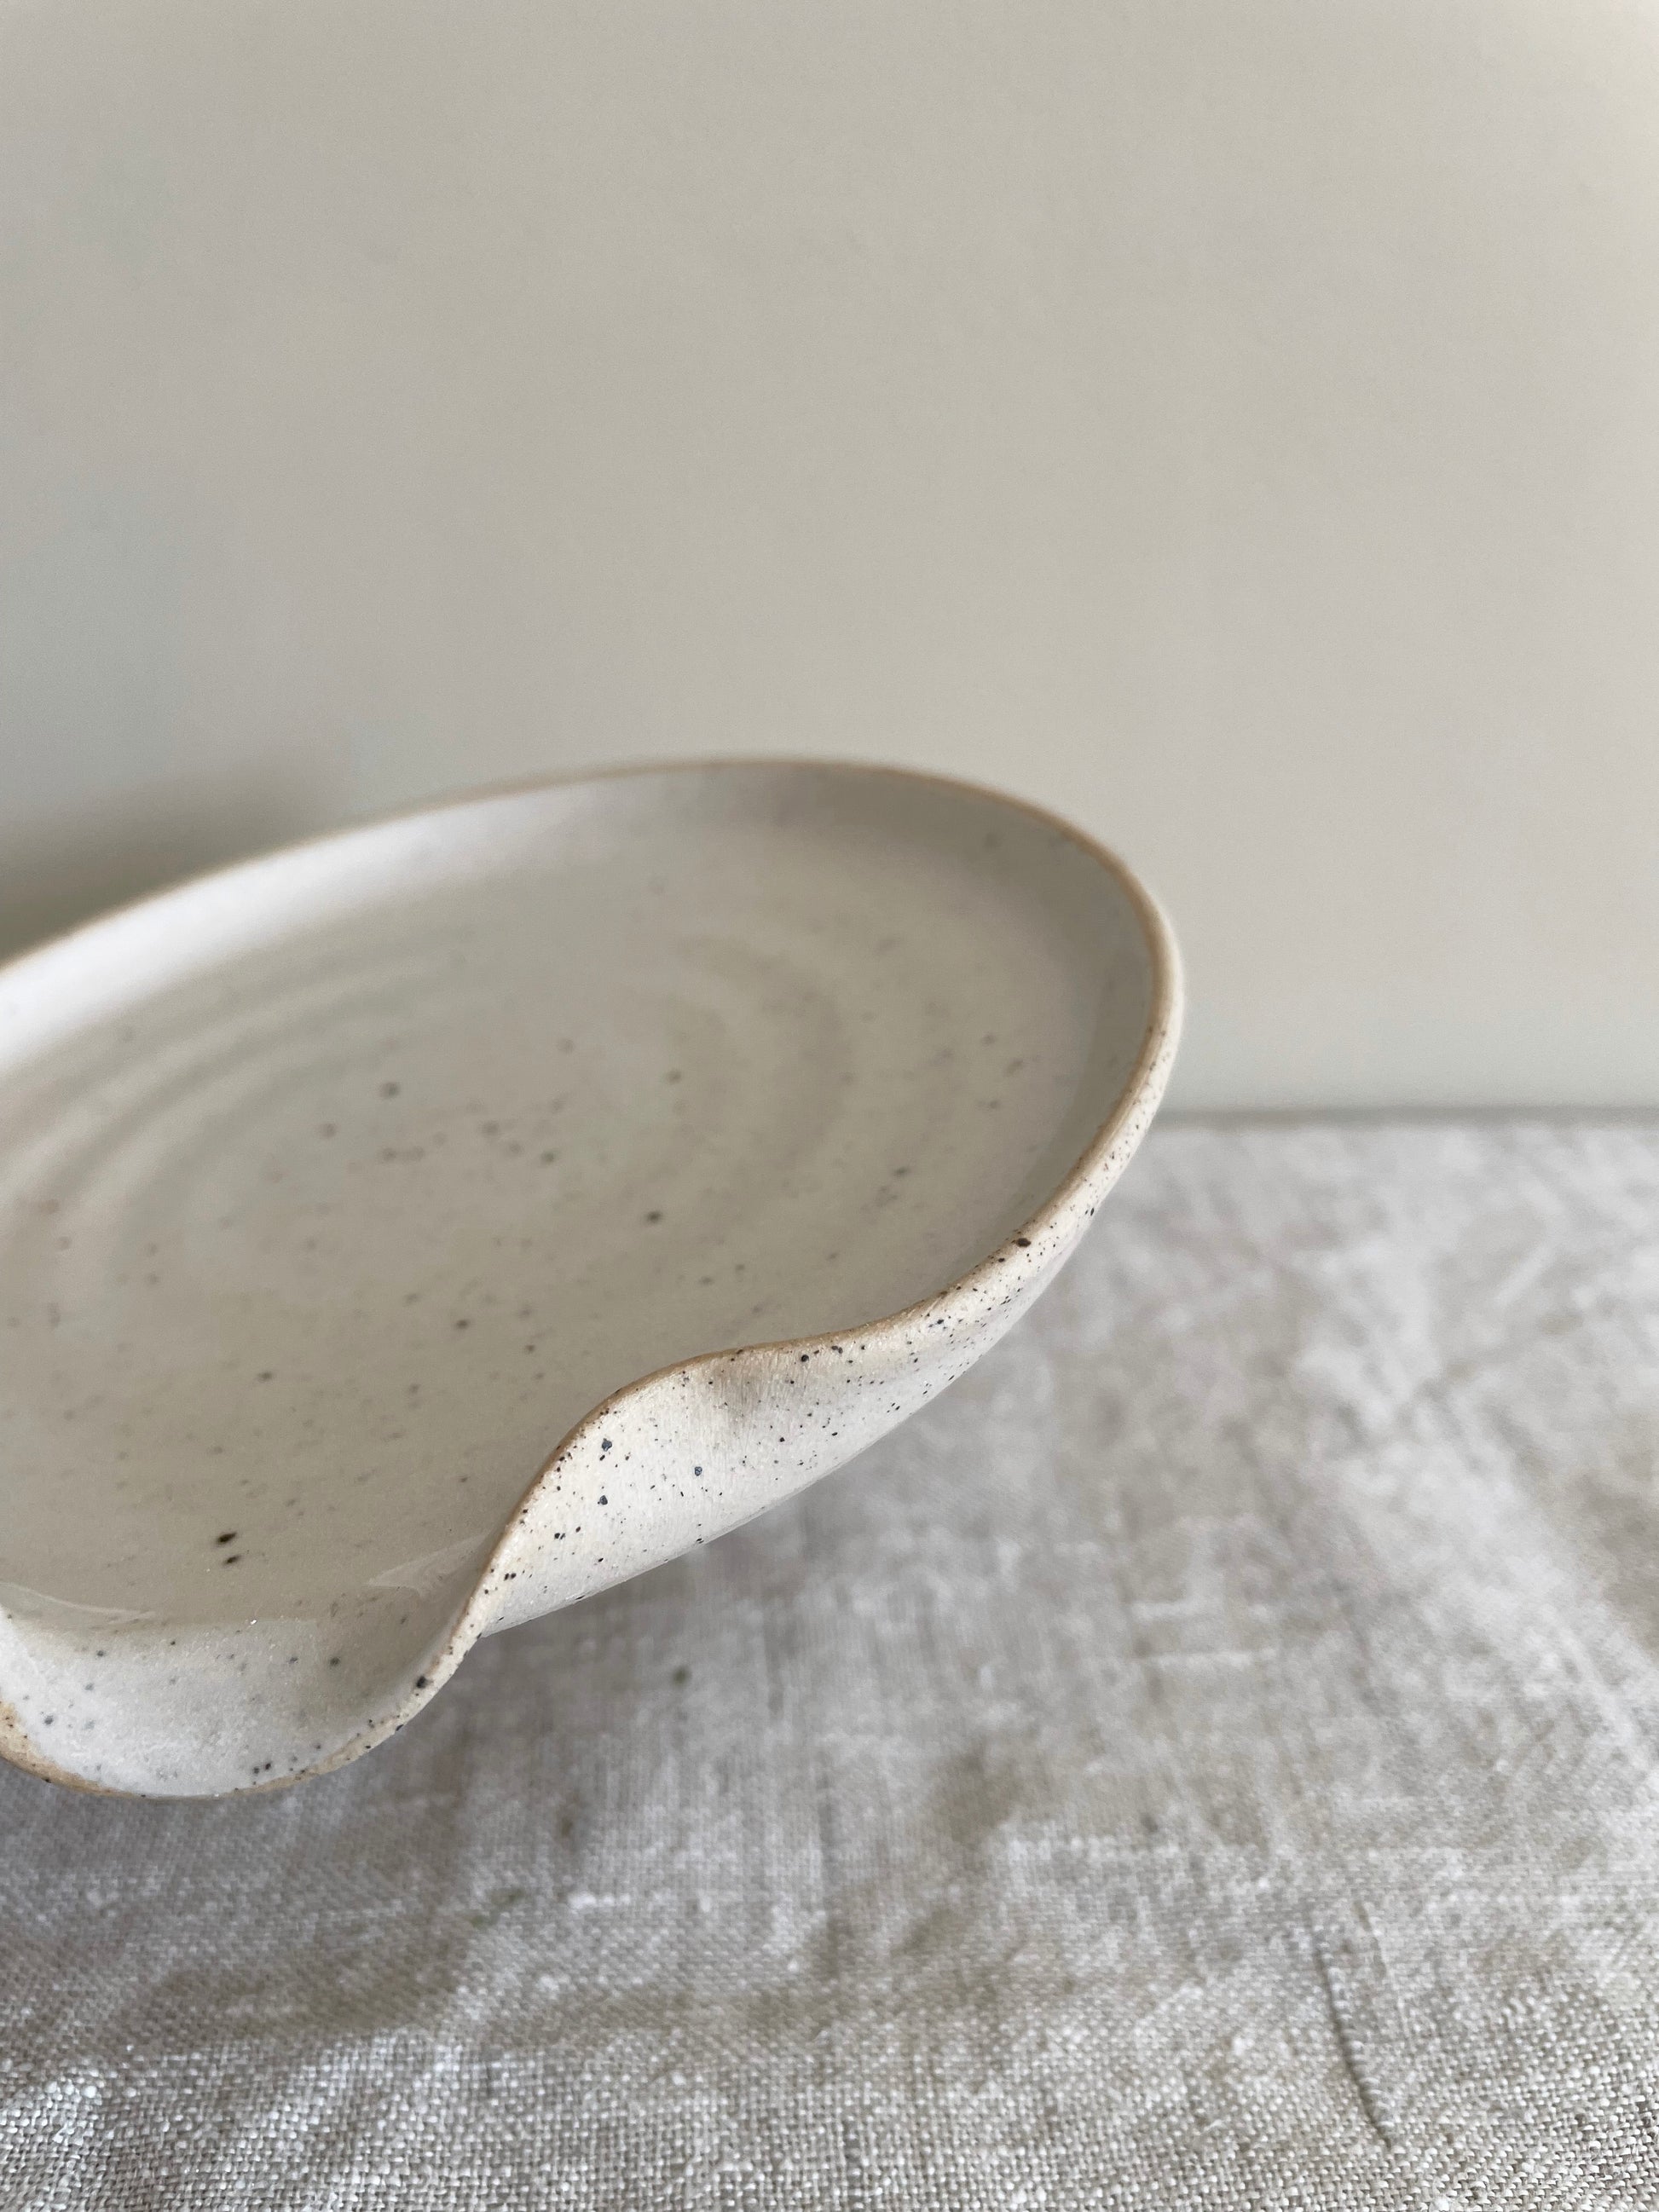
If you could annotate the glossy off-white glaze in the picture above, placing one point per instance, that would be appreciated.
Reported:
(415, 1231)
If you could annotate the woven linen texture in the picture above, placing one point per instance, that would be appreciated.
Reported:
(1210, 1759)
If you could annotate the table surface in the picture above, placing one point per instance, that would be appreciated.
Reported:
(1210, 1759)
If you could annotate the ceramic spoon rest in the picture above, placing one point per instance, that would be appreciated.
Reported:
(416, 1231)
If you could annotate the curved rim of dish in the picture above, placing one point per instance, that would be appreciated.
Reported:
(1138, 1099)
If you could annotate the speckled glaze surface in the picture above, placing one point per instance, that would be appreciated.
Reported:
(415, 1231)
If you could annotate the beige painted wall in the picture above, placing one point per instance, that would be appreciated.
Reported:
(1235, 422)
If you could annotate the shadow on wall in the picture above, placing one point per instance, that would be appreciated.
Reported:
(57, 874)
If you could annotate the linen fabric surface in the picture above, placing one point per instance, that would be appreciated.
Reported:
(1210, 1759)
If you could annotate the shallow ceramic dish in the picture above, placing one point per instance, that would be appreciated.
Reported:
(415, 1231)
